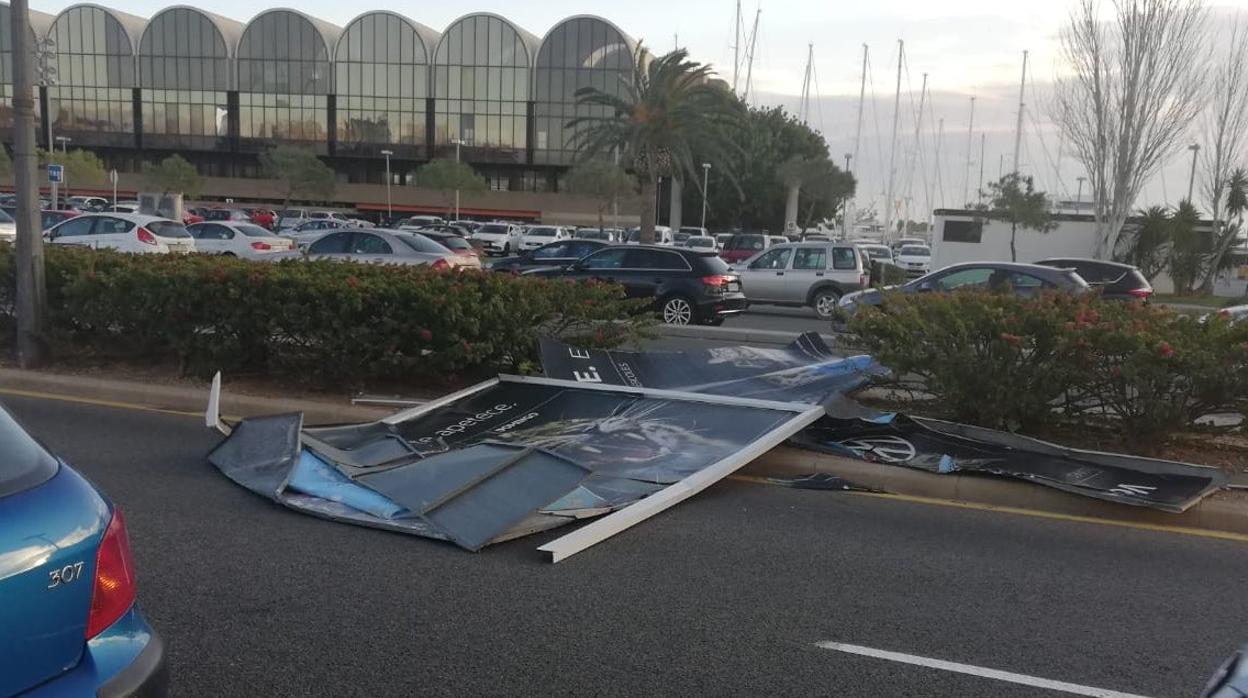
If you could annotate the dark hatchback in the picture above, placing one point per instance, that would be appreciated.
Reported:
(1116, 281)
(688, 286)
(555, 254)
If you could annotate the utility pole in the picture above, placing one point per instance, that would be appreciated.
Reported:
(31, 291)
(1191, 182)
(892, 155)
(706, 190)
(736, 50)
(390, 206)
(983, 142)
(1018, 130)
(1079, 196)
(970, 141)
(458, 142)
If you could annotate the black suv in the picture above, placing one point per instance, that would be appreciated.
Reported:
(1116, 281)
(688, 286)
(554, 254)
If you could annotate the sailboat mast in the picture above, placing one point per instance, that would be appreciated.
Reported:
(1018, 130)
(916, 157)
(736, 50)
(804, 108)
(983, 151)
(892, 155)
(749, 69)
(862, 96)
(970, 142)
(940, 180)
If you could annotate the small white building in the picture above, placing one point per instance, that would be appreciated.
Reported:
(965, 236)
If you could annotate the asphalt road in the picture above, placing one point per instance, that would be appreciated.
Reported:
(726, 594)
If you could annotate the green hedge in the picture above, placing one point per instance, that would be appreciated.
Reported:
(885, 274)
(1024, 364)
(325, 323)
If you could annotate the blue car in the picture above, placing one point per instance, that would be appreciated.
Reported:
(69, 624)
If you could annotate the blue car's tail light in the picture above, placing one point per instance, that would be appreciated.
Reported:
(113, 593)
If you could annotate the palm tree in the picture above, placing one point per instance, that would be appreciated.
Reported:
(1144, 243)
(1236, 206)
(671, 116)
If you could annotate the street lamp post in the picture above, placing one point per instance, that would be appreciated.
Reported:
(458, 142)
(389, 205)
(706, 189)
(845, 204)
(1079, 196)
(1191, 182)
(64, 141)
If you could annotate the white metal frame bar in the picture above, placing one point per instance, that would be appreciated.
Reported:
(600, 530)
(432, 405)
(660, 394)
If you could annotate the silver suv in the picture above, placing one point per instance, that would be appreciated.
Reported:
(814, 274)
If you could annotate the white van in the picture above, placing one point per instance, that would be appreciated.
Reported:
(662, 236)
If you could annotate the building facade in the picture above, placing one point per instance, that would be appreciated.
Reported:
(218, 91)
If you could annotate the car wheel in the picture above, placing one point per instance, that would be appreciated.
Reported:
(677, 310)
(824, 303)
(228, 254)
(507, 249)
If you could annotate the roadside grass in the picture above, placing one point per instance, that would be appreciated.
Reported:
(1203, 301)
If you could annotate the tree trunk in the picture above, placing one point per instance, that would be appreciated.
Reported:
(648, 209)
(790, 207)
(602, 210)
(1013, 235)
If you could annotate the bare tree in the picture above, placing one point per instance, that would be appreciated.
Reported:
(1130, 89)
(1225, 133)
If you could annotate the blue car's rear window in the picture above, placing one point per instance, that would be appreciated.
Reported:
(23, 462)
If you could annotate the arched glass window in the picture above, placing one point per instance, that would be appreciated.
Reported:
(6, 62)
(185, 72)
(481, 87)
(93, 99)
(382, 84)
(579, 52)
(283, 80)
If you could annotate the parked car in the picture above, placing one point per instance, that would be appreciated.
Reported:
(722, 239)
(49, 219)
(537, 235)
(742, 246)
(419, 222)
(795, 274)
(701, 242)
(1235, 313)
(70, 624)
(125, 232)
(1004, 277)
(903, 242)
(456, 243)
(263, 217)
(777, 239)
(693, 231)
(556, 254)
(317, 225)
(662, 236)
(291, 217)
(816, 237)
(600, 234)
(227, 214)
(875, 251)
(915, 259)
(687, 286)
(499, 238)
(1116, 281)
(469, 226)
(343, 219)
(189, 217)
(90, 204)
(238, 239)
(381, 246)
(121, 208)
(8, 227)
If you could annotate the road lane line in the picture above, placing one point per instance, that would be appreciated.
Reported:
(96, 403)
(1035, 513)
(972, 670)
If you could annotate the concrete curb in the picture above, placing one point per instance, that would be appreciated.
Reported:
(1223, 511)
(734, 335)
(180, 398)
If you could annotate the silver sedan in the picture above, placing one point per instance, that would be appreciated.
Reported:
(383, 246)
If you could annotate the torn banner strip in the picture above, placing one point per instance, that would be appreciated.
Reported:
(506, 458)
(944, 447)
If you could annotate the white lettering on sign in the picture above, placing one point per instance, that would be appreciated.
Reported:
(474, 420)
(578, 353)
(590, 376)
(1133, 490)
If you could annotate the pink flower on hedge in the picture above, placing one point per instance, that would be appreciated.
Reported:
(1115, 371)
(352, 281)
(425, 335)
(1165, 350)
(1011, 339)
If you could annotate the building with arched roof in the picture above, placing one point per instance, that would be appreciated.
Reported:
(381, 85)
(582, 51)
(285, 78)
(186, 72)
(92, 102)
(39, 25)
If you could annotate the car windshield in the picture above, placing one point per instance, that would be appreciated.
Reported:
(420, 243)
(493, 229)
(452, 242)
(254, 231)
(915, 251)
(542, 232)
(701, 242)
(746, 242)
(5, 218)
(167, 229)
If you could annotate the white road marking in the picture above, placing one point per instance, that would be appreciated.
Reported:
(972, 670)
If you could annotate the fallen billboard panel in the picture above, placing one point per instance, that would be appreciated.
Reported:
(943, 447)
(510, 457)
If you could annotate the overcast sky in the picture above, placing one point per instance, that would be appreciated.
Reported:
(967, 47)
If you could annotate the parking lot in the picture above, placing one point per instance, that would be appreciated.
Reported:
(726, 595)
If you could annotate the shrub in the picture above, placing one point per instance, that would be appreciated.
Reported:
(318, 322)
(885, 274)
(1023, 364)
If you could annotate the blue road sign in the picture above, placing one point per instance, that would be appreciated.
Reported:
(56, 174)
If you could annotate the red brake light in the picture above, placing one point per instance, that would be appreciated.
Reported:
(113, 593)
(262, 246)
(441, 264)
(1141, 293)
(717, 280)
(146, 237)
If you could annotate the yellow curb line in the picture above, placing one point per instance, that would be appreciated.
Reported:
(97, 403)
(1180, 530)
